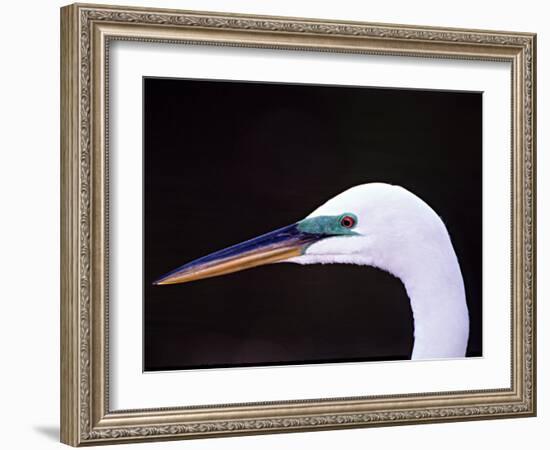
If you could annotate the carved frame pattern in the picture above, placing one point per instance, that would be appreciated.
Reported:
(86, 32)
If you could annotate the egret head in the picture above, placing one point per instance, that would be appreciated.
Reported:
(363, 225)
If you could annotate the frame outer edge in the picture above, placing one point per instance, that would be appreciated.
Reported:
(84, 415)
(533, 136)
(535, 70)
(69, 311)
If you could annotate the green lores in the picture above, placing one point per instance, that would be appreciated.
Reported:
(341, 225)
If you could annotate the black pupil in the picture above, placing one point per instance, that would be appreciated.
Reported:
(347, 222)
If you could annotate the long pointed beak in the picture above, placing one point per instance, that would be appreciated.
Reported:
(278, 245)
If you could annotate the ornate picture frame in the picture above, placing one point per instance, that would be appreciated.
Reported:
(87, 31)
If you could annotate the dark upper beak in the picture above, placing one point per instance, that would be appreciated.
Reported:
(276, 246)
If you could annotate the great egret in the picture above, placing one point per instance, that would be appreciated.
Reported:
(374, 224)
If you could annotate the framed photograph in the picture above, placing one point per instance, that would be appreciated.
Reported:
(274, 224)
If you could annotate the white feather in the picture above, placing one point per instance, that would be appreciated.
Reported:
(401, 234)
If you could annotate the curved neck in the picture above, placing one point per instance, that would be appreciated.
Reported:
(441, 322)
(438, 303)
(428, 267)
(433, 281)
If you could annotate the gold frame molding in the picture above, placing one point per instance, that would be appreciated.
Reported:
(86, 31)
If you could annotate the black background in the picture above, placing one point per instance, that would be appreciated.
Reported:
(227, 161)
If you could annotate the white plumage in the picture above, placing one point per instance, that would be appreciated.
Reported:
(399, 233)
